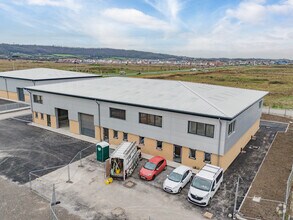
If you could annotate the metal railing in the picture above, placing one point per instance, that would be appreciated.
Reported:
(288, 193)
(278, 112)
(41, 183)
(12, 106)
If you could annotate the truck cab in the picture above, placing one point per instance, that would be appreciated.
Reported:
(205, 184)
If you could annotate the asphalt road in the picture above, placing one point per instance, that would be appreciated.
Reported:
(4, 102)
(24, 148)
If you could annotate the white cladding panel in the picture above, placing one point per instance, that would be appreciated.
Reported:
(244, 121)
(2, 84)
(174, 129)
(13, 84)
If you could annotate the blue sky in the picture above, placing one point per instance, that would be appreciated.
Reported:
(197, 28)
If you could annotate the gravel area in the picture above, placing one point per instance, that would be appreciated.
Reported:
(270, 182)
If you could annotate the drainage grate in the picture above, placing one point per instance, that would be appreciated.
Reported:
(129, 184)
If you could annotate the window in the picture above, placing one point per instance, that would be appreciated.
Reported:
(115, 134)
(38, 99)
(117, 113)
(141, 140)
(185, 175)
(231, 127)
(36, 115)
(160, 164)
(159, 145)
(207, 157)
(201, 129)
(42, 116)
(192, 154)
(125, 136)
(148, 119)
(260, 104)
(219, 177)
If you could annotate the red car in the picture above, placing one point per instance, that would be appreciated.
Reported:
(152, 168)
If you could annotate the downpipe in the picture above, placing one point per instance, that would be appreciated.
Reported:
(219, 141)
(99, 117)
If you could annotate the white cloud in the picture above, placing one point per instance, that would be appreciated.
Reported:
(169, 8)
(69, 4)
(257, 11)
(136, 18)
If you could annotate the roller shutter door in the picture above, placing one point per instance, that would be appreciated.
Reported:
(87, 125)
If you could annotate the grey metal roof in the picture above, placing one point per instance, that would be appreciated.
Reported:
(38, 74)
(177, 96)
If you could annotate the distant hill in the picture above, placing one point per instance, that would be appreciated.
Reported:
(55, 52)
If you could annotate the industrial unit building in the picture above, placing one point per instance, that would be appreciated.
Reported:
(13, 82)
(188, 123)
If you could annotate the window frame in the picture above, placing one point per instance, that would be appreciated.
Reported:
(232, 124)
(191, 157)
(37, 99)
(260, 104)
(115, 134)
(36, 115)
(194, 123)
(141, 140)
(121, 113)
(161, 145)
(150, 119)
(210, 156)
(42, 116)
(125, 139)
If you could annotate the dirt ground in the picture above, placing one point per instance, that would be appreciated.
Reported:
(270, 182)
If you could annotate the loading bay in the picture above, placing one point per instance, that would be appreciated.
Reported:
(24, 148)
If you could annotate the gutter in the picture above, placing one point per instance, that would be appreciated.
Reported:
(219, 141)
(99, 116)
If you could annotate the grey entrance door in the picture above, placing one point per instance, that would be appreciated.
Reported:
(20, 94)
(63, 120)
(106, 134)
(87, 126)
(177, 153)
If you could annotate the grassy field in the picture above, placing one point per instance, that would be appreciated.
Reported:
(6, 65)
(277, 80)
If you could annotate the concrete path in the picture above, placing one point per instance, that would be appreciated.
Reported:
(15, 114)
(89, 197)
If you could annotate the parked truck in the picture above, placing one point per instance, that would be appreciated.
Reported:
(124, 160)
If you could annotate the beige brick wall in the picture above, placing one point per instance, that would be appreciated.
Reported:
(13, 96)
(27, 98)
(39, 120)
(74, 126)
(197, 162)
(3, 94)
(229, 157)
(97, 133)
(53, 121)
(150, 148)
(115, 141)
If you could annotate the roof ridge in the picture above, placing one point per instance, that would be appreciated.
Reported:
(195, 93)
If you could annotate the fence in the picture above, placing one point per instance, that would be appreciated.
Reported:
(288, 193)
(42, 185)
(12, 106)
(279, 112)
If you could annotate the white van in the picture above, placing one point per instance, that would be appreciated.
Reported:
(205, 184)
